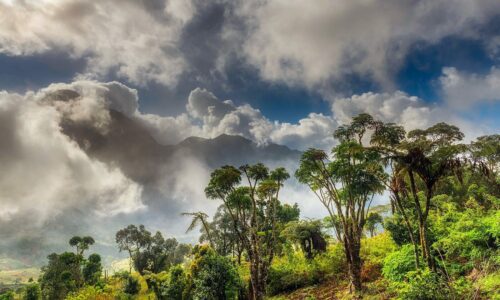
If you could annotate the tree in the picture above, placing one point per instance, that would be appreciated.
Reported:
(419, 162)
(150, 253)
(32, 291)
(224, 239)
(60, 276)
(199, 218)
(253, 212)
(81, 243)
(92, 269)
(212, 276)
(129, 239)
(308, 235)
(371, 222)
(345, 186)
(486, 150)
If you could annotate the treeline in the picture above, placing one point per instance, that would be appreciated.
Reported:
(438, 237)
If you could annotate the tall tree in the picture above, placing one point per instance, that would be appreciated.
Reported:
(148, 252)
(253, 211)
(345, 185)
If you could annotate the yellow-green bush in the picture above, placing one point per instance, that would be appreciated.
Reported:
(293, 270)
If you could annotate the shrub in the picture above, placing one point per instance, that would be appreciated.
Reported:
(9, 295)
(398, 263)
(131, 286)
(213, 276)
(90, 292)
(370, 271)
(490, 285)
(294, 270)
(168, 285)
(376, 249)
(423, 285)
(32, 292)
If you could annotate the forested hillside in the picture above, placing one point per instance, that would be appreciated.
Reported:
(438, 237)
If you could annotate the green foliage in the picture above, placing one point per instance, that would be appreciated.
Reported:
(371, 222)
(212, 276)
(91, 292)
(131, 285)
(150, 253)
(92, 269)
(294, 270)
(398, 231)
(377, 248)
(423, 285)
(32, 292)
(169, 285)
(399, 263)
(470, 235)
(9, 295)
(490, 285)
(61, 275)
(308, 234)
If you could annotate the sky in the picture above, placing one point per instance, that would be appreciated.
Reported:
(284, 72)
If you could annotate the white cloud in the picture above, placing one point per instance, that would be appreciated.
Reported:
(401, 108)
(134, 39)
(220, 117)
(462, 91)
(44, 173)
(299, 42)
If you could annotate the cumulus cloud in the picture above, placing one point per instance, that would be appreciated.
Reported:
(44, 173)
(136, 40)
(462, 90)
(208, 116)
(224, 117)
(305, 43)
(401, 108)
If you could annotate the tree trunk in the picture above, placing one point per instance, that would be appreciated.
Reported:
(355, 269)
(425, 246)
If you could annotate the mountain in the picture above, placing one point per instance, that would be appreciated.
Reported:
(129, 146)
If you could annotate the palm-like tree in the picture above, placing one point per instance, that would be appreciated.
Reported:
(197, 219)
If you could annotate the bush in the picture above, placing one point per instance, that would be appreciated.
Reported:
(490, 285)
(423, 285)
(9, 295)
(370, 271)
(398, 263)
(294, 270)
(376, 249)
(168, 285)
(213, 276)
(131, 286)
(90, 292)
(32, 292)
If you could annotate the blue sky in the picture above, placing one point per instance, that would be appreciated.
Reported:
(416, 70)
(418, 75)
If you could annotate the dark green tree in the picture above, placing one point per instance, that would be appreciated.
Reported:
(253, 212)
(212, 276)
(81, 243)
(60, 276)
(92, 269)
(308, 234)
(150, 253)
(32, 291)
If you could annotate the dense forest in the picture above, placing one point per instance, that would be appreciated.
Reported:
(437, 238)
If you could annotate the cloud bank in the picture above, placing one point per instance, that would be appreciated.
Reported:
(292, 42)
(44, 172)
